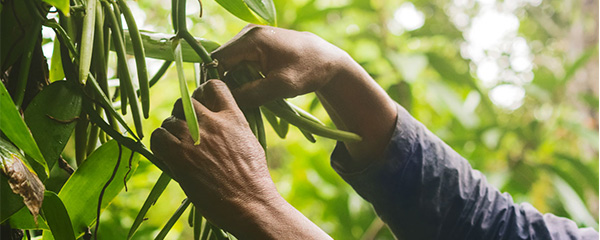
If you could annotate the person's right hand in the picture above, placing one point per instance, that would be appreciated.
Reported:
(294, 63)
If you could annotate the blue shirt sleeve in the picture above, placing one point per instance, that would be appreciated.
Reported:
(422, 189)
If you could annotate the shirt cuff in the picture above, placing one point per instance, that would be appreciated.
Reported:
(366, 181)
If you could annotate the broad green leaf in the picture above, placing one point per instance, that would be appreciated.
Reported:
(10, 203)
(239, 9)
(15, 23)
(13, 126)
(62, 5)
(21, 180)
(24, 220)
(265, 9)
(157, 190)
(186, 100)
(81, 192)
(51, 117)
(56, 69)
(57, 217)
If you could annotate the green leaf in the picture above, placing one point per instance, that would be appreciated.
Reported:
(57, 217)
(81, 192)
(186, 100)
(56, 69)
(265, 9)
(163, 232)
(51, 118)
(24, 220)
(62, 5)
(10, 203)
(239, 9)
(13, 126)
(157, 190)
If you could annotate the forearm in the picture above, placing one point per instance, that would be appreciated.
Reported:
(356, 103)
(276, 219)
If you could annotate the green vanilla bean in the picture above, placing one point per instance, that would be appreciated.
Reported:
(25, 65)
(272, 119)
(87, 40)
(305, 114)
(107, 36)
(284, 126)
(81, 137)
(191, 216)
(159, 187)
(310, 125)
(93, 136)
(186, 100)
(140, 57)
(260, 129)
(197, 224)
(128, 86)
(163, 232)
(99, 52)
(307, 123)
(120, 71)
(206, 232)
(290, 107)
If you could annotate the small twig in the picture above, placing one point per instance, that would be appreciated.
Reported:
(104, 189)
(63, 164)
(63, 121)
(128, 170)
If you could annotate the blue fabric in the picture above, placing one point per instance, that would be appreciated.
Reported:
(422, 189)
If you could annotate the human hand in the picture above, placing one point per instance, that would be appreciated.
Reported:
(226, 173)
(293, 62)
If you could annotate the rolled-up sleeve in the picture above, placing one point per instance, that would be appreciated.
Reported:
(422, 189)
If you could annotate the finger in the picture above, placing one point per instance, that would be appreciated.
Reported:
(201, 111)
(261, 91)
(180, 114)
(215, 95)
(162, 142)
(178, 128)
(245, 46)
(178, 109)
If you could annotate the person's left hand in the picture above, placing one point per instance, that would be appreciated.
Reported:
(226, 174)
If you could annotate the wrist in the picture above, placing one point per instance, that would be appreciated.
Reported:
(274, 218)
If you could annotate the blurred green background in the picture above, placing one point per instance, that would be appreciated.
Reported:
(511, 85)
